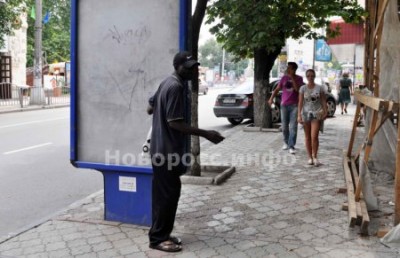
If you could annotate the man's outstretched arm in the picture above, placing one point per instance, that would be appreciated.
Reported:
(211, 135)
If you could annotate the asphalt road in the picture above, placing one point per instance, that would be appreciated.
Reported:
(36, 177)
(207, 119)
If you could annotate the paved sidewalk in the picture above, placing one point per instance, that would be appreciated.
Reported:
(273, 206)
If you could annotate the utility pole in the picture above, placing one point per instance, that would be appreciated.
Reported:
(37, 93)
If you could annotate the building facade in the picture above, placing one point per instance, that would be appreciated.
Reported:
(13, 55)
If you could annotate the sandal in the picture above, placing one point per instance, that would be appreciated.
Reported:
(167, 246)
(176, 240)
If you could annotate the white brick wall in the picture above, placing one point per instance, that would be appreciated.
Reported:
(17, 49)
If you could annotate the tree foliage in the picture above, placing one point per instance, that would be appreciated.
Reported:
(210, 55)
(10, 17)
(55, 34)
(243, 26)
(259, 28)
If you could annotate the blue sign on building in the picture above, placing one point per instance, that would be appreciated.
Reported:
(323, 52)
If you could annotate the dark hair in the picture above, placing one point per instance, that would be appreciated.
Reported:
(310, 70)
(293, 65)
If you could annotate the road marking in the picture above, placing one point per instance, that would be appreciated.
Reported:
(28, 148)
(33, 122)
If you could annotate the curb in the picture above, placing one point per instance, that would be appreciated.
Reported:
(252, 128)
(218, 179)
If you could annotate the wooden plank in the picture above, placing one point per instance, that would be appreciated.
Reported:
(381, 15)
(350, 191)
(367, 36)
(354, 130)
(354, 170)
(366, 49)
(375, 103)
(382, 232)
(359, 214)
(382, 119)
(362, 146)
(371, 50)
(397, 177)
(365, 218)
(367, 150)
(378, 38)
(371, 133)
(377, 42)
(354, 173)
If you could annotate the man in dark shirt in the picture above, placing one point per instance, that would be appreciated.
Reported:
(167, 148)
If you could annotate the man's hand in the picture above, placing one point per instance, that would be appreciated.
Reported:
(213, 136)
(270, 102)
(149, 110)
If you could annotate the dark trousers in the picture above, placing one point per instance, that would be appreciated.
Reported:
(165, 197)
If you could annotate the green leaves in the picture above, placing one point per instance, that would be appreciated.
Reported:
(56, 33)
(10, 17)
(245, 25)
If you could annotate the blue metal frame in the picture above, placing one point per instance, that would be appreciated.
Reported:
(184, 14)
(104, 167)
(73, 118)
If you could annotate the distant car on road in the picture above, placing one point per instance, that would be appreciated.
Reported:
(237, 104)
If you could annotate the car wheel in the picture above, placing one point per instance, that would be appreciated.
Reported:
(331, 107)
(275, 113)
(235, 121)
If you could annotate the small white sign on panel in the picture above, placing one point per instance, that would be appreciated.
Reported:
(127, 184)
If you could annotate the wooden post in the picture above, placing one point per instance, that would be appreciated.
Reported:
(378, 37)
(368, 146)
(366, 45)
(353, 131)
(397, 177)
(371, 54)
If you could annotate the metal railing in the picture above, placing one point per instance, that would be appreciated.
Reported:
(12, 95)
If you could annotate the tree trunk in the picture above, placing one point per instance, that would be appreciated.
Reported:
(197, 20)
(263, 63)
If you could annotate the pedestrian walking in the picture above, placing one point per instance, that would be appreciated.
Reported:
(167, 146)
(313, 111)
(345, 92)
(290, 85)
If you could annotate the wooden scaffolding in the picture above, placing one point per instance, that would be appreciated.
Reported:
(381, 110)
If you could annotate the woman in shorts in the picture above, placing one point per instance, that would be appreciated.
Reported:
(312, 110)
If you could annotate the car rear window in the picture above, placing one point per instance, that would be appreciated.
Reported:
(246, 87)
